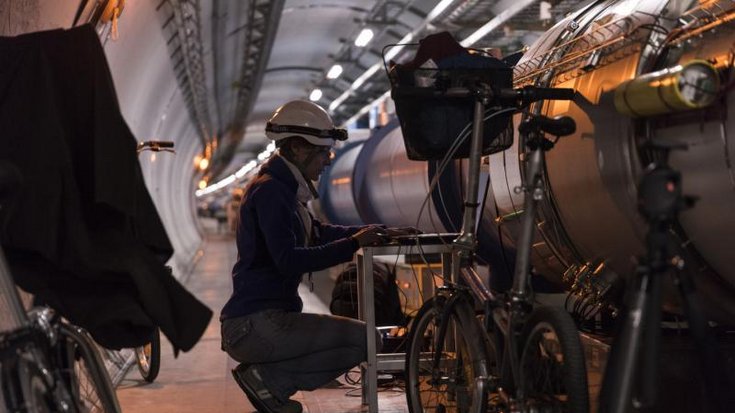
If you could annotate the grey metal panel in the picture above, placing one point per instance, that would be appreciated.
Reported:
(340, 187)
(707, 165)
(399, 186)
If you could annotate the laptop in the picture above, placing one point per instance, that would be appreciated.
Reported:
(424, 239)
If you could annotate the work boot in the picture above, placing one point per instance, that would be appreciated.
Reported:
(262, 399)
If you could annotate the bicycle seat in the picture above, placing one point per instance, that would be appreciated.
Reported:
(558, 126)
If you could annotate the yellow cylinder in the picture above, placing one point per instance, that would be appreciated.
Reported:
(693, 85)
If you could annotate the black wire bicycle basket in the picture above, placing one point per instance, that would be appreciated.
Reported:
(432, 124)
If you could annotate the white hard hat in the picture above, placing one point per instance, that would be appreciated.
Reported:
(305, 119)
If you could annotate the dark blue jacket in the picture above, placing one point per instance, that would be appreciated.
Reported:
(270, 238)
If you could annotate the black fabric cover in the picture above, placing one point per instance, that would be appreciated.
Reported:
(83, 234)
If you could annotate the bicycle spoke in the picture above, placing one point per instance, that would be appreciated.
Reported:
(441, 375)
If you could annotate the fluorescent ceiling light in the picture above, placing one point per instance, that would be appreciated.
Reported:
(315, 95)
(496, 22)
(334, 72)
(364, 38)
(216, 187)
(438, 9)
(245, 169)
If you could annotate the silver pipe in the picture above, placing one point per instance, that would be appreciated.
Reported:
(473, 280)
(467, 240)
(528, 222)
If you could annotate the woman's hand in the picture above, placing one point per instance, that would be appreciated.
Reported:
(370, 235)
(375, 235)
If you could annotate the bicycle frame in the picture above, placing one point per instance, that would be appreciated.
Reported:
(523, 329)
(508, 314)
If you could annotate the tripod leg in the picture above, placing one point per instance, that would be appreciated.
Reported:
(717, 389)
(648, 371)
(617, 384)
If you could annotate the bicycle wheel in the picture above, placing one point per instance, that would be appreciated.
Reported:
(149, 358)
(24, 387)
(441, 371)
(553, 372)
(84, 373)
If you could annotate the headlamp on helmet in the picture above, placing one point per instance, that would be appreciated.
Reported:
(305, 119)
(334, 133)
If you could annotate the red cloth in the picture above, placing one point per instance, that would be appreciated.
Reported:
(435, 47)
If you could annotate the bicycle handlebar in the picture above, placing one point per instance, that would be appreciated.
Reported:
(509, 97)
(533, 94)
(165, 144)
(156, 146)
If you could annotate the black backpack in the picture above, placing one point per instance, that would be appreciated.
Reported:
(387, 302)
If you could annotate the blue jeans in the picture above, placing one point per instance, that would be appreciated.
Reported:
(295, 351)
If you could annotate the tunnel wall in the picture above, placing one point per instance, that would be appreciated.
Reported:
(151, 105)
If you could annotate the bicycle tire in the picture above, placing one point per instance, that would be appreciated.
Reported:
(444, 387)
(149, 358)
(553, 374)
(83, 371)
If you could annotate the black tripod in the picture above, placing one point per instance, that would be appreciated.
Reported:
(635, 351)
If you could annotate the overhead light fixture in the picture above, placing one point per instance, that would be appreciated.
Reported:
(315, 95)
(497, 21)
(334, 72)
(364, 38)
(266, 153)
(205, 188)
(245, 169)
(203, 164)
(544, 10)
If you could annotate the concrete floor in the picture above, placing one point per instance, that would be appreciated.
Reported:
(200, 380)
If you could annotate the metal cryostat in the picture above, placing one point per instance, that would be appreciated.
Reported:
(646, 71)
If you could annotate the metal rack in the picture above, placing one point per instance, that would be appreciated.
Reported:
(608, 43)
(366, 311)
